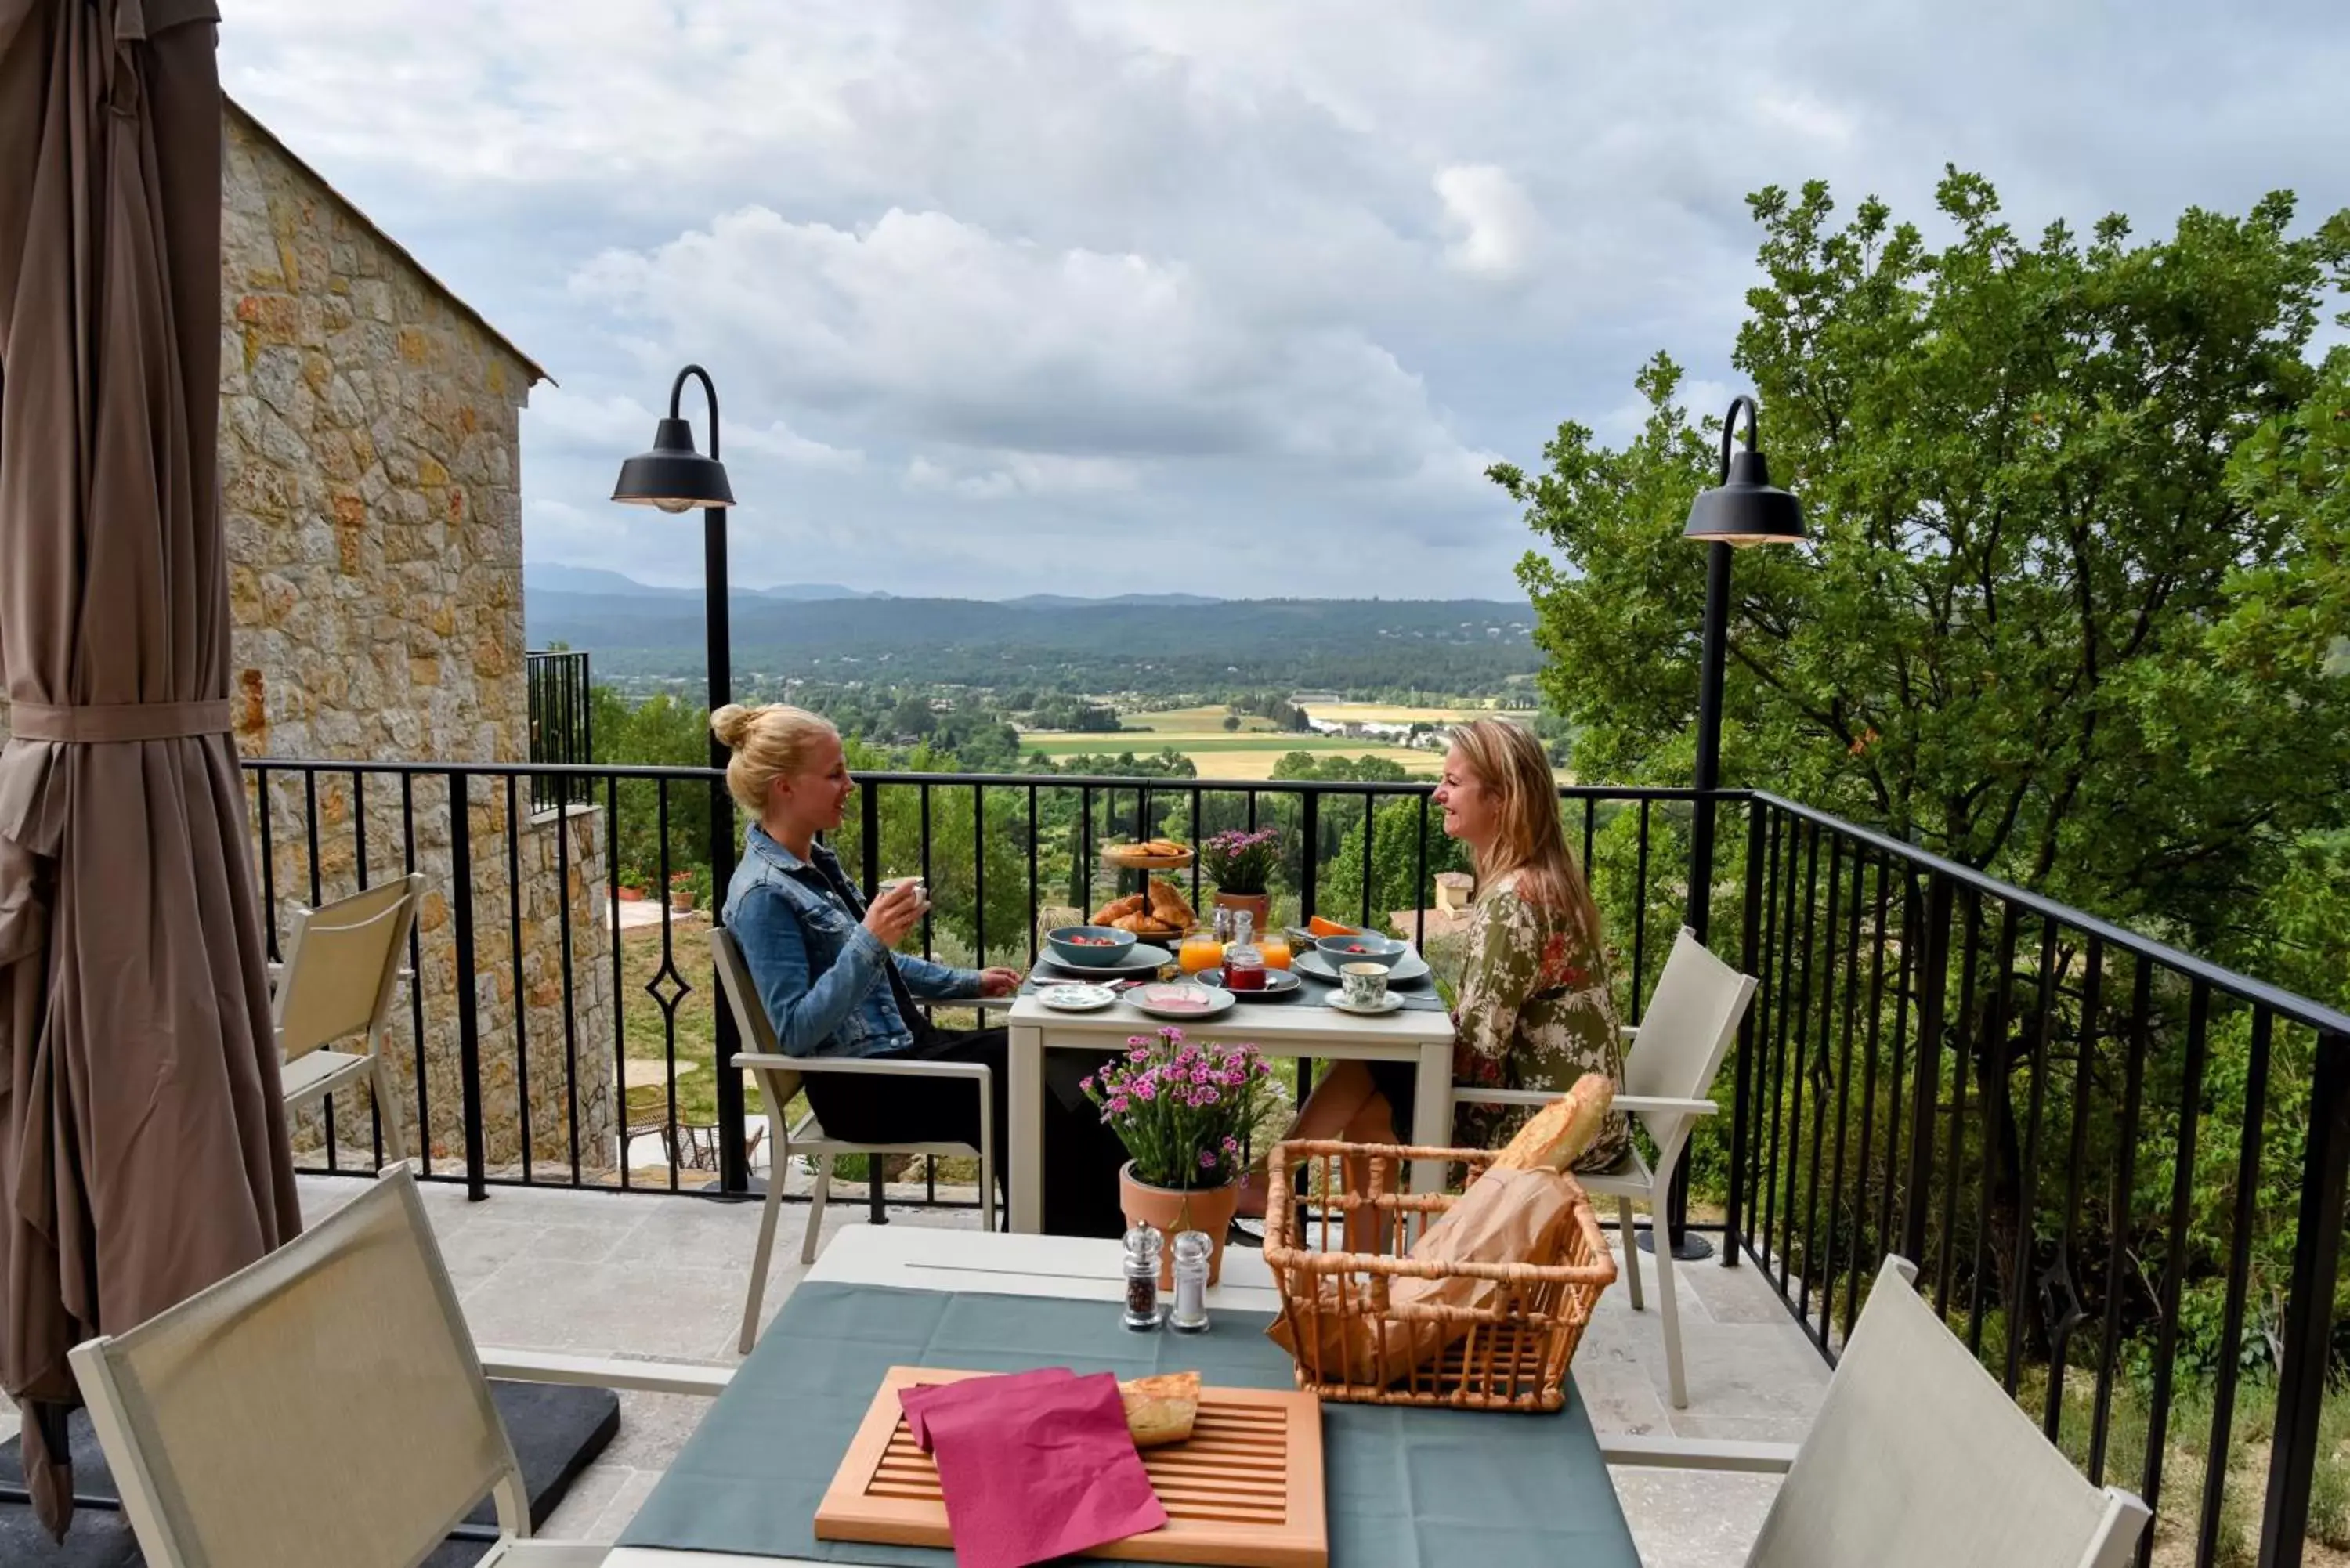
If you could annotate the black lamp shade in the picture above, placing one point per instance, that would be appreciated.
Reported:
(1746, 508)
(673, 476)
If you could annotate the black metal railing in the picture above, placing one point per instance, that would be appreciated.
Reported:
(2120, 1168)
(562, 724)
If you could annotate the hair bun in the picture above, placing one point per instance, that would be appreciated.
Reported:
(731, 725)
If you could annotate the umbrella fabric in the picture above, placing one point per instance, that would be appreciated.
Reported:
(142, 1138)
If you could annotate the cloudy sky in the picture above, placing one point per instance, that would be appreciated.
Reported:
(1241, 296)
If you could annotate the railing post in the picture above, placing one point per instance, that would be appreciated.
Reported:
(1310, 854)
(2309, 1307)
(1750, 959)
(469, 1019)
(1933, 979)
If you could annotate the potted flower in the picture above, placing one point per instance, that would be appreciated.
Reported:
(1240, 864)
(1184, 1113)
(681, 892)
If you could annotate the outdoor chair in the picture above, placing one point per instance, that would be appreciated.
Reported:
(779, 1082)
(1674, 1053)
(1917, 1457)
(342, 963)
(228, 1421)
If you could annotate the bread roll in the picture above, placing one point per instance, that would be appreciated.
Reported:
(1162, 1409)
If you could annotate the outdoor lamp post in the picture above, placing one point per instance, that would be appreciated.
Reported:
(676, 478)
(1742, 508)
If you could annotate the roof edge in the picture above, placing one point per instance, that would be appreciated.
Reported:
(246, 117)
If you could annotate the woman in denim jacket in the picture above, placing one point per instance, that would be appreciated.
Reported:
(821, 956)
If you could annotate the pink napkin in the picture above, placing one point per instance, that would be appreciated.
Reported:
(1033, 1466)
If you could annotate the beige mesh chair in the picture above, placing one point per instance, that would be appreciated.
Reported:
(779, 1083)
(342, 965)
(1674, 1052)
(228, 1420)
(1916, 1458)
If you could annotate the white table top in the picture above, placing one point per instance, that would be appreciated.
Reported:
(919, 1258)
(1279, 1031)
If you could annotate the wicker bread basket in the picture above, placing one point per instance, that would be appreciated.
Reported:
(1509, 1353)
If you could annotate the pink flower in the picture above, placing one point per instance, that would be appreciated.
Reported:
(1086, 1085)
(1207, 1159)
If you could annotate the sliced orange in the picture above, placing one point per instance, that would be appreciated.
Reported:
(1321, 928)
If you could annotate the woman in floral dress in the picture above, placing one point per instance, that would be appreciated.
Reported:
(1534, 1010)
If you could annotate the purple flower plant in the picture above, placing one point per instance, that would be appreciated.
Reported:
(1241, 862)
(1183, 1110)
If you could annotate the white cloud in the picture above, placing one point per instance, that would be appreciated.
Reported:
(1222, 270)
(1500, 230)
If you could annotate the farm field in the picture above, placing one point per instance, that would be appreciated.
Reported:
(1382, 713)
(1224, 754)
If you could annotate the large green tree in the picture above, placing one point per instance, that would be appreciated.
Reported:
(2029, 630)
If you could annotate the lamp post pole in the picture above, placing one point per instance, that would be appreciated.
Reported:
(1742, 509)
(675, 478)
(733, 1161)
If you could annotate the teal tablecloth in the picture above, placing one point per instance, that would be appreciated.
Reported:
(1406, 1489)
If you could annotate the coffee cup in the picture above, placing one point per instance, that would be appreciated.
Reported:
(922, 890)
(1366, 984)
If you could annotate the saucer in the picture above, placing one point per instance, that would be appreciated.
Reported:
(1388, 1003)
(1069, 996)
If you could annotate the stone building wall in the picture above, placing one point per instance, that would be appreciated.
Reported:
(371, 496)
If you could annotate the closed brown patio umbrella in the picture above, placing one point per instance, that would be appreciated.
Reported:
(142, 1144)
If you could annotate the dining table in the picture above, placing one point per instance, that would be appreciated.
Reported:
(1419, 1031)
(1404, 1488)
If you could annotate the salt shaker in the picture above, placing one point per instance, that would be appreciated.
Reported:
(1190, 1314)
(1142, 1248)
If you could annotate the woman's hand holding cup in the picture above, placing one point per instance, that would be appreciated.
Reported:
(896, 912)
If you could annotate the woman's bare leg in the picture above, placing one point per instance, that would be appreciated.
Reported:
(1338, 1098)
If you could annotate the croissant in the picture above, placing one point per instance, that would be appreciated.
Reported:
(1168, 903)
(1110, 914)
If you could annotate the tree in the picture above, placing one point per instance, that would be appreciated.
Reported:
(2071, 613)
(2014, 460)
(1231, 721)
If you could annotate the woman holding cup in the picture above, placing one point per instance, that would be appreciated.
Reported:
(823, 961)
(1534, 1008)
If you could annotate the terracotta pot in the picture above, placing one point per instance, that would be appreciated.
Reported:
(682, 902)
(1168, 1210)
(633, 895)
(1258, 905)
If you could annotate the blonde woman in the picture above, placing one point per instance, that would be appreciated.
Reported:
(822, 958)
(1534, 1010)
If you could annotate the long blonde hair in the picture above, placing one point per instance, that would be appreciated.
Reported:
(1509, 761)
(767, 743)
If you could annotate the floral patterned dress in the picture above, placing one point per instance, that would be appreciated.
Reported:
(1534, 1013)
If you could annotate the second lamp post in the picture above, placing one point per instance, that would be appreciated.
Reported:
(675, 477)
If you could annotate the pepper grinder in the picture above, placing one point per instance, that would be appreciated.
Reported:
(1142, 1248)
(1191, 1314)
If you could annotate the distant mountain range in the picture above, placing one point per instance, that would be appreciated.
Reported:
(552, 579)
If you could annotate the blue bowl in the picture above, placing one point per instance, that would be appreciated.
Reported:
(1090, 954)
(1361, 947)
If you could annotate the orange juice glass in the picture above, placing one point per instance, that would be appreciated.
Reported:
(1201, 951)
(1275, 946)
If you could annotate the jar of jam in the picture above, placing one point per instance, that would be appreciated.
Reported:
(1244, 960)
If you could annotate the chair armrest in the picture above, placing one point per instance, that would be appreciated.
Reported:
(1697, 1454)
(879, 1066)
(1665, 1106)
(1627, 1033)
(593, 1371)
(1462, 1095)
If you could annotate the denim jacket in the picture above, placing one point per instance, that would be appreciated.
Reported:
(819, 972)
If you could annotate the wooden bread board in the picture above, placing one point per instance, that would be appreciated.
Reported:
(1246, 1489)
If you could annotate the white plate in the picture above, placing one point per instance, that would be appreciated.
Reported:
(1388, 1003)
(1071, 996)
(1142, 960)
(1180, 1002)
(1408, 968)
(1277, 982)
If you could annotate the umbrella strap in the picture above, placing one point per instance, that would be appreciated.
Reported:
(102, 723)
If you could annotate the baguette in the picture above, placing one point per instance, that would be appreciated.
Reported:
(1556, 1135)
(1160, 1410)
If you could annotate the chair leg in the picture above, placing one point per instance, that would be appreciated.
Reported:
(1631, 1240)
(768, 1214)
(395, 1148)
(815, 1208)
(1664, 1256)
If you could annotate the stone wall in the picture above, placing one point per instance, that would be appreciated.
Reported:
(370, 490)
